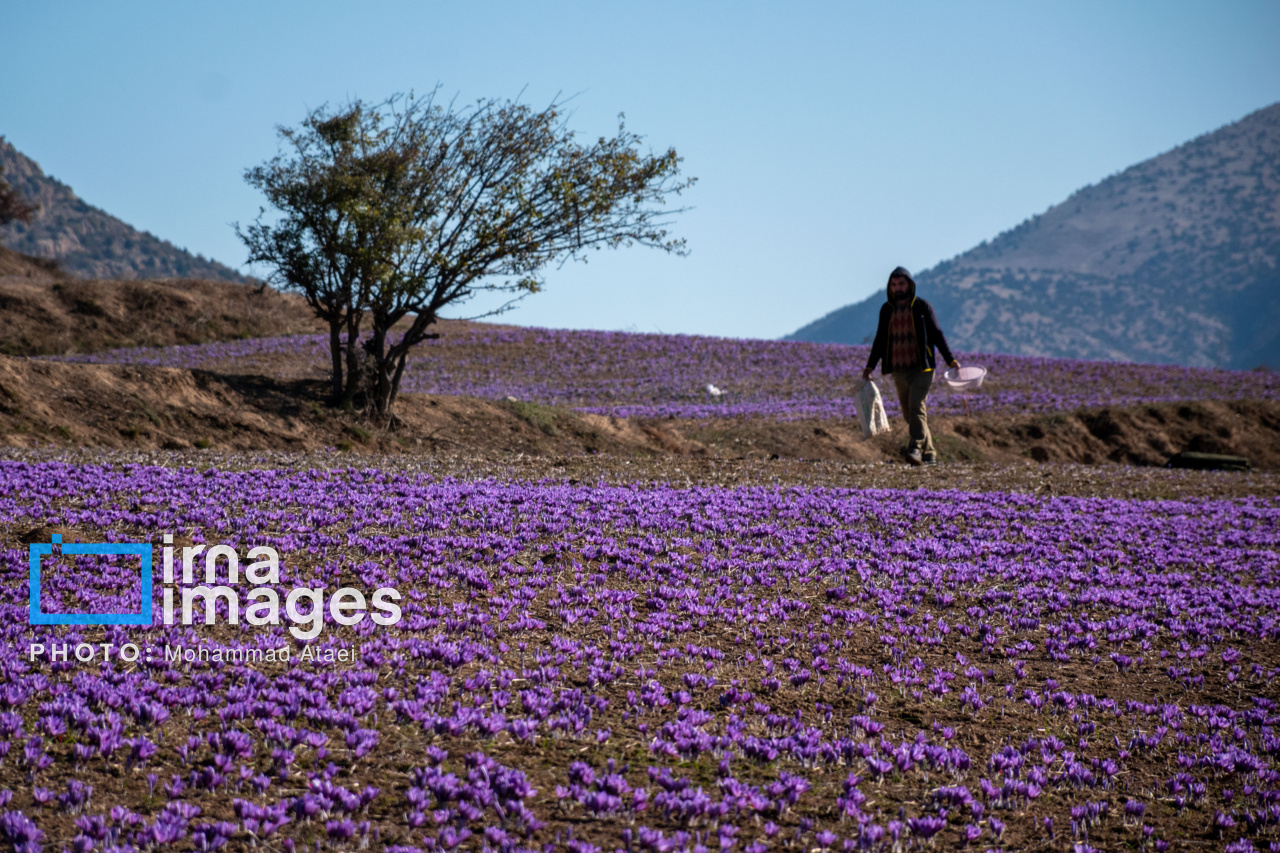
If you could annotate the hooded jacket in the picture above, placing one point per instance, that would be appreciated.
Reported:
(928, 335)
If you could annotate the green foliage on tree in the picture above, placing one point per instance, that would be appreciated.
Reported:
(387, 213)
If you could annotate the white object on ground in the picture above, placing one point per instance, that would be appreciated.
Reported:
(714, 391)
(871, 409)
(966, 378)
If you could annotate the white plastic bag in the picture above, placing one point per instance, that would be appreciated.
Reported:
(871, 410)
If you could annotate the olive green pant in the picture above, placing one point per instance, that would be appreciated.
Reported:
(913, 388)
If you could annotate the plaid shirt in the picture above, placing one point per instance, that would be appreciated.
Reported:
(904, 353)
(923, 335)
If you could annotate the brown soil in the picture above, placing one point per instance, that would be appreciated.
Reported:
(51, 403)
(1027, 477)
(1141, 435)
(45, 312)
(16, 264)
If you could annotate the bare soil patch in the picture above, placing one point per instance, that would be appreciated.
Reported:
(1136, 435)
(1047, 478)
(46, 312)
(55, 404)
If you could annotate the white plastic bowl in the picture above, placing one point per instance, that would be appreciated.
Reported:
(966, 378)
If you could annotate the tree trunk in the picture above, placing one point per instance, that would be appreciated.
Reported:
(382, 395)
(390, 364)
(355, 370)
(380, 361)
(395, 379)
(335, 354)
(389, 372)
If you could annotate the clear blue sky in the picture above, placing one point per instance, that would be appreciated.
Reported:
(831, 141)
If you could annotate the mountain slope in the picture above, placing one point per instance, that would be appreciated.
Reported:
(89, 242)
(1174, 260)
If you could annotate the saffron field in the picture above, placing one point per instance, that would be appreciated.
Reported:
(648, 668)
(647, 375)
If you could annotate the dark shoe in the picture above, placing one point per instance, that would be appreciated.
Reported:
(931, 459)
(914, 457)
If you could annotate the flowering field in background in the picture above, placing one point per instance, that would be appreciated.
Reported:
(648, 668)
(648, 375)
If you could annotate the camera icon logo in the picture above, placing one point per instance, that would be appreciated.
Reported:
(142, 549)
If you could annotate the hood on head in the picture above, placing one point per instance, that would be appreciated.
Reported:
(903, 272)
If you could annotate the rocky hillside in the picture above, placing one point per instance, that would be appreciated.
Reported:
(89, 242)
(1174, 260)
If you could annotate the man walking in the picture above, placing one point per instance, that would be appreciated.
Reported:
(905, 339)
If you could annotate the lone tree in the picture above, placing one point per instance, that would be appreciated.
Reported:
(393, 211)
